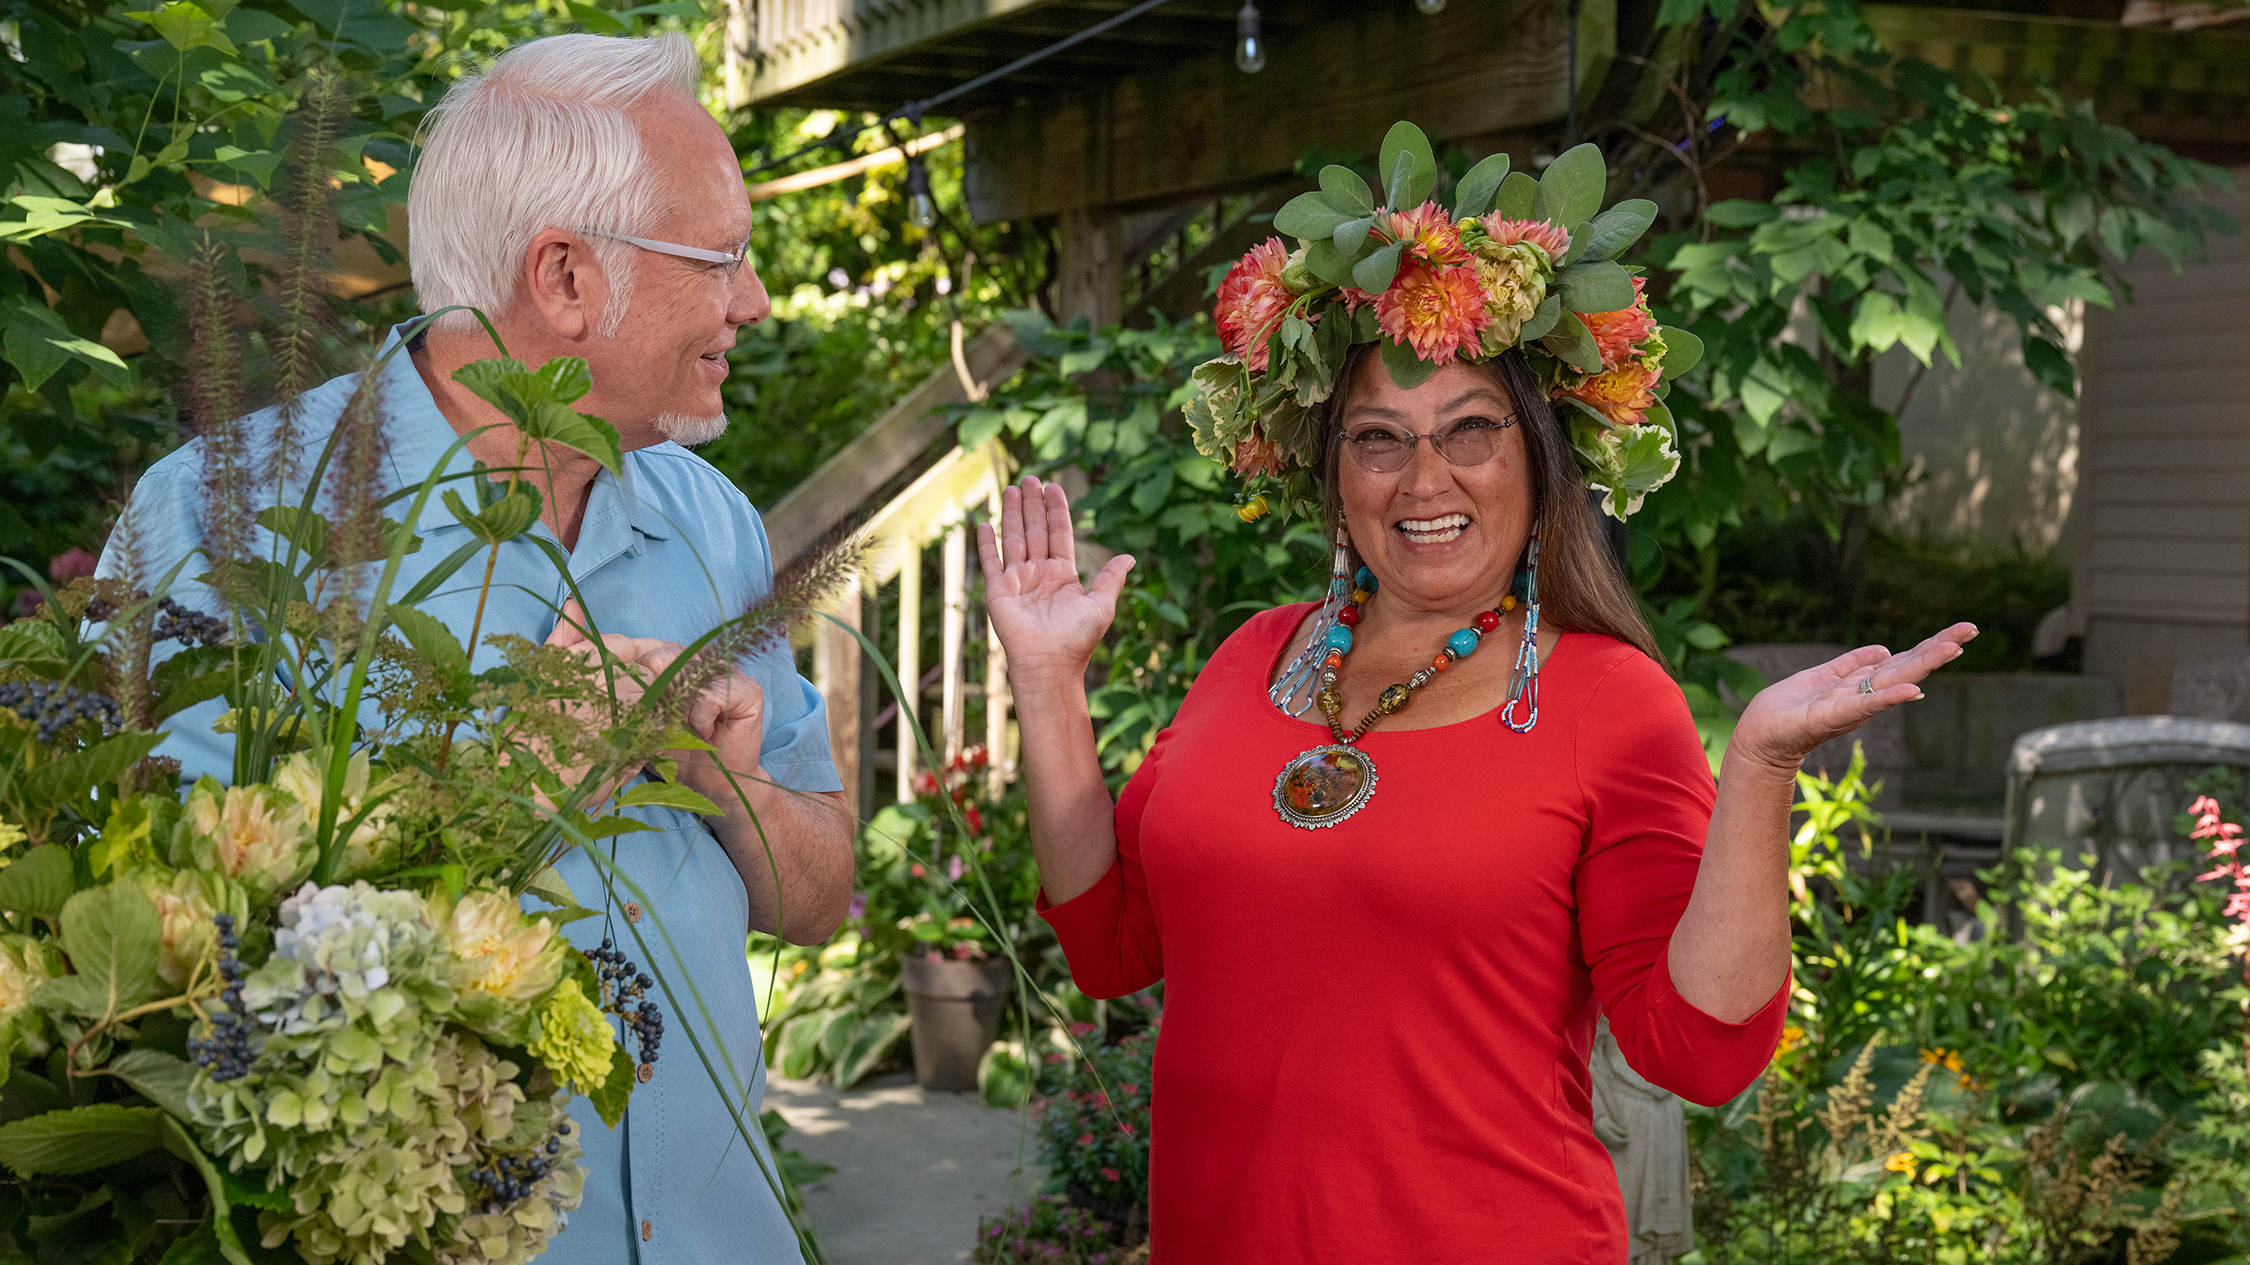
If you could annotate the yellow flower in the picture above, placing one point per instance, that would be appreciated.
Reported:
(1792, 1036)
(503, 952)
(1514, 280)
(574, 1039)
(1901, 1162)
(249, 834)
(25, 964)
(1950, 1060)
(11, 834)
(305, 782)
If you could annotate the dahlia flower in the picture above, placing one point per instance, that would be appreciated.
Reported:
(1256, 456)
(250, 834)
(1621, 395)
(1252, 301)
(1549, 237)
(1513, 277)
(1437, 311)
(307, 783)
(1429, 233)
(574, 1039)
(1619, 334)
(503, 952)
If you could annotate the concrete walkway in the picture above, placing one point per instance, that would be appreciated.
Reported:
(914, 1170)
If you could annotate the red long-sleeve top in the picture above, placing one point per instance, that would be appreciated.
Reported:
(1375, 1035)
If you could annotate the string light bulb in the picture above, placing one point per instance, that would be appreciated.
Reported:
(1430, 6)
(1249, 40)
(921, 207)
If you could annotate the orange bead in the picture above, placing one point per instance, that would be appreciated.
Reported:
(1334, 660)
(1442, 662)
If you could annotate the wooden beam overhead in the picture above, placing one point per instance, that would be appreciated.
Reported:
(1197, 126)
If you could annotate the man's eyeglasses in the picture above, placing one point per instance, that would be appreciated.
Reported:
(733, 261)
(1381, 450)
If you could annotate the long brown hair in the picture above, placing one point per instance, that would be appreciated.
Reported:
(1580, 587)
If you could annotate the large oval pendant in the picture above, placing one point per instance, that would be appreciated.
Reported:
(1324, 786)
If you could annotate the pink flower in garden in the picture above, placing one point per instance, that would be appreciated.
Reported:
(1552, 238)
(975, 819)
(953, 868)
(1085, 1139)
(1126, 1129)
(858, 907)
(1252, 301)
(926, 783)
(70, 564)
(1110, 1174)
(916, 870)
(1436, 310)
(1130, 1089)
(1081, 1029)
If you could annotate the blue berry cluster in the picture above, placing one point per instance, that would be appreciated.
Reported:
(228, 1051)
(53, 707)
(512, 1176)
(623, 986)
(174, 622)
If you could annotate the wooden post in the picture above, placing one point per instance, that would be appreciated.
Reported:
(909, 663)
(836, 676)
(997, 695)
(1089, 276)
(954, 630)
(741, 56)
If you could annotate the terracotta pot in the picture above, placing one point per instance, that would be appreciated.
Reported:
(956, 1009)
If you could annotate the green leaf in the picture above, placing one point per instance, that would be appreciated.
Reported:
(1375, 273)
(259, 164)
(433, 641)
(1616, 229)
(503, 520)
(256, 584)
(609, 1097)
(1595, 287)
(549, 886)
(538, 402)
(81, 1139)
(1572, 343)
(176, 1140)
(595, 20)
(1737, 213)
(1474, 195)
(38, 343)
(303, 528)
(63, 780)
(2047, 362)
(184, 26)
(248, 1190)
(1329, 264)
(1407, 167)
(1682, 350)
(1308, 216)
(1352, 234)
(1408, 370)
(1542, 322)
(159, 1077)
(1519, 193)
(112, 935)
(1346, 192)
(1570, 190)
(32, 641)
(666, 795)
(39, 883)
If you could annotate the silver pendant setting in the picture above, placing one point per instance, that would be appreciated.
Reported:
(1324, 786)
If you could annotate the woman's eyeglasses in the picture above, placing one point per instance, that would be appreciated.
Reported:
(1381, 450)
(733, 260)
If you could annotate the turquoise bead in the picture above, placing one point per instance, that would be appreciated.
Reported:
(1462, 643)
(1366, 580)
(1340, 638)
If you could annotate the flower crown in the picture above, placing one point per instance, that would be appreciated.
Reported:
(1518, 262)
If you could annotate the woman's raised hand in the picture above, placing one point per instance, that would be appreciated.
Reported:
(1788, 719)
(1048, 623)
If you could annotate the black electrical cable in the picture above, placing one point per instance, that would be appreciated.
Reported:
(913, 111)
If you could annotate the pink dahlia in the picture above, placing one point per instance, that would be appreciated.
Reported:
(1437, 311)
(1619, 334)
(1623, 395)
(1429, 234)
(1255, 456)
(1549, 237)
(1252, 301)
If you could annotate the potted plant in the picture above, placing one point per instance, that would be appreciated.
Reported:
(955, 992)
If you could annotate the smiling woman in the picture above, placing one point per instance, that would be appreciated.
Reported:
(1511, 846)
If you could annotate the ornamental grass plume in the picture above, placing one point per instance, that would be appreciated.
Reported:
(799, 592)
(213, 395)
(302, 328)
(1252, 301)
(1439, 310)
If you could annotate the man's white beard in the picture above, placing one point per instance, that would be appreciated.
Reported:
(688, 430)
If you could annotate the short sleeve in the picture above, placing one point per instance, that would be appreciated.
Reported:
(1648, 795)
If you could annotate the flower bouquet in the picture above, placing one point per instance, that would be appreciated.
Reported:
(309, 1013)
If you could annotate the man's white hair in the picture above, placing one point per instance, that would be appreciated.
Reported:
(539, 141)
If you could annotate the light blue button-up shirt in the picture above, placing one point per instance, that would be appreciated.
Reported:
(669, 551)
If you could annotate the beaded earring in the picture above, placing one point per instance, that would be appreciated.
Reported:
(1523, 684)
(1303, 672)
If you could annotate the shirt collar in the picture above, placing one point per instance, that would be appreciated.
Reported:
(420, 436)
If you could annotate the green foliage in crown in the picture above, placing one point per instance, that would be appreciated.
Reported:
(1516, 262)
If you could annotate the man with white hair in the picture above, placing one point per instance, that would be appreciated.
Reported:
(579, 196)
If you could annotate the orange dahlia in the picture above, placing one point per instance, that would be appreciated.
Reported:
(1429, 234)
(1255, 456)
(1549, 237)
(1622, 395)
(1437, 311)
(1252, 301)
(1620, 334)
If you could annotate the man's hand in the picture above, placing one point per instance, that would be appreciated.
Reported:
(792, 849)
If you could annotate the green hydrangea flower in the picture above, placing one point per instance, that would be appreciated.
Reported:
(574, 1038)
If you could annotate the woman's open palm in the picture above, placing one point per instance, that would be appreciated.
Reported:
(1045, 619)
(1787, 719)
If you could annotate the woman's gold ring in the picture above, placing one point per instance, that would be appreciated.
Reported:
(1868, 686)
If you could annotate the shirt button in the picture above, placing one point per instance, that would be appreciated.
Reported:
(645, 1071)
(648, 1231)
(632, 911)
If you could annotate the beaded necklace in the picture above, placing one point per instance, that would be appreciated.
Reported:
(1324, 786)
